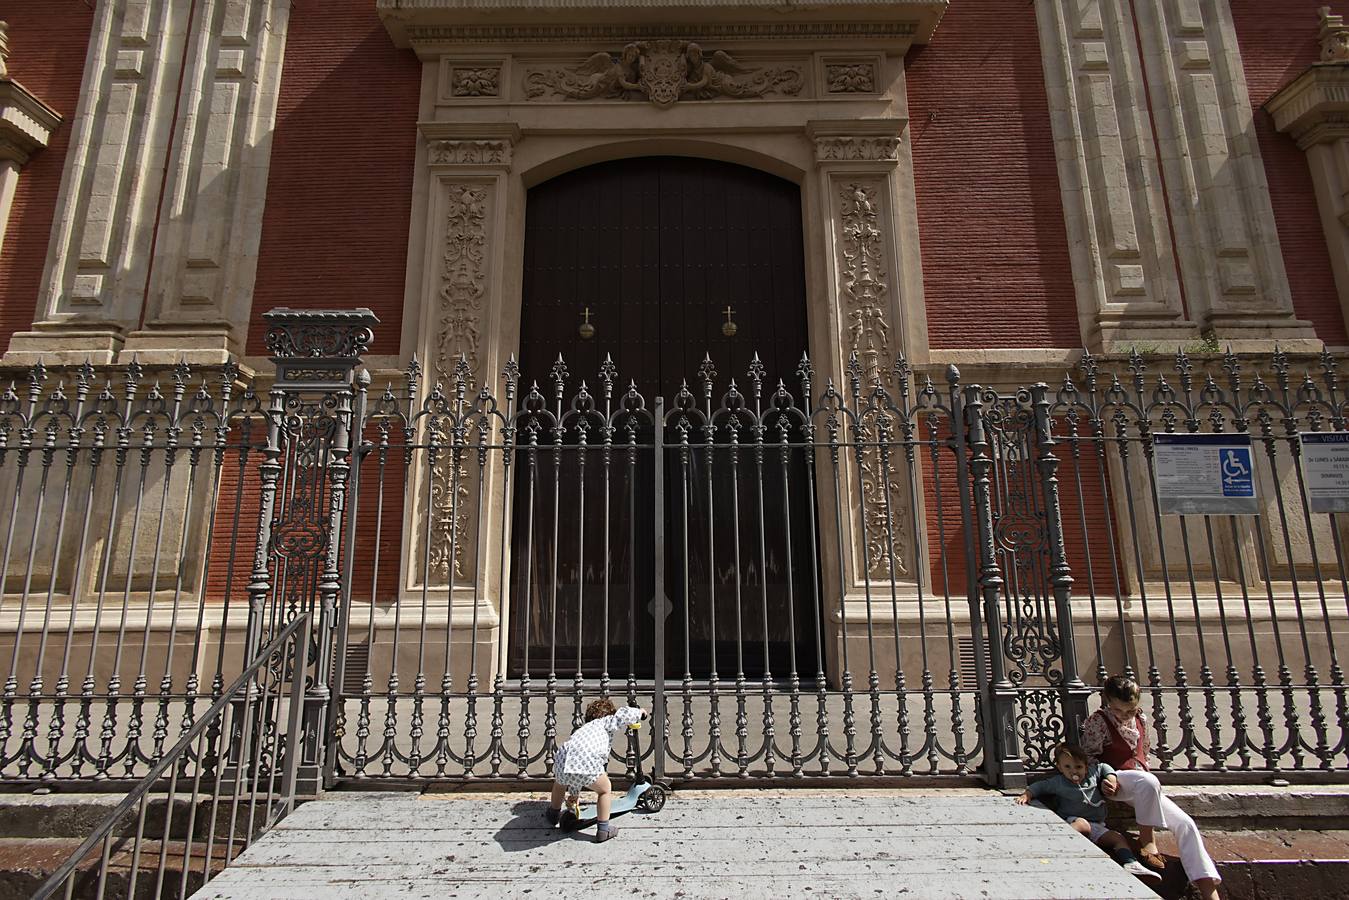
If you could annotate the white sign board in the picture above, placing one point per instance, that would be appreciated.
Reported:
(1325, 465)
(1205, 474)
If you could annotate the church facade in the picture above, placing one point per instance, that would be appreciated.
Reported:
(729, 206)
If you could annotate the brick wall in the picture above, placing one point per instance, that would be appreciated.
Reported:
(378, 501)
(339, 193)
(1278, 41)
(996, 271)
(47, 44)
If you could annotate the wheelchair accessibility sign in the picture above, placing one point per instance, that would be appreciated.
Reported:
(1205, 474)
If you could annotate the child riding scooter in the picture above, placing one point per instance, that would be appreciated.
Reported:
(580, 764)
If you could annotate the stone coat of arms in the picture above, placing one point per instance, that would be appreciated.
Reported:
(663, 72)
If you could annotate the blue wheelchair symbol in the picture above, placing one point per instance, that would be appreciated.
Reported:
(1236, 472)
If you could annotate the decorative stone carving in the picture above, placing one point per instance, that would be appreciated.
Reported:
(479, 82)
(1334, 37)
(864, 278)
(850, 78)
(463, 286)
(4, 49)
(865, 284)
(881, 148)
(463, 279)
(663, 71)
(470, 153)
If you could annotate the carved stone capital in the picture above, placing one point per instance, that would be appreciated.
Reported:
(1314, 107)
(26, 123)
(470, 153)
(856, 149)
(486, 145)
(867, 140)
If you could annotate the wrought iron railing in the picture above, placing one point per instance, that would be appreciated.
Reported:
(878, 572)
(229, 778)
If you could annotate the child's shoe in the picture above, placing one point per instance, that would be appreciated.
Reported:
(552, 815)
(605, 834)
(1136, 868)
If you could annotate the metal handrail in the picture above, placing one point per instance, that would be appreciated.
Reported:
(65, 874)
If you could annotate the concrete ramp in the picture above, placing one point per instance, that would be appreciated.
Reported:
(704, 844)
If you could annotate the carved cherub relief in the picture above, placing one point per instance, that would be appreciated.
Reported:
(664, 72)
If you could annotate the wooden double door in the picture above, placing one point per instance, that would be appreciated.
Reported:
(652, 252)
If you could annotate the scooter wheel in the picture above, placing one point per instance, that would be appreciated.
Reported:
(568, 821)
(653, 799)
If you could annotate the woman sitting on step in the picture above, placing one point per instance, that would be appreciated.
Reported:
(1117, 735)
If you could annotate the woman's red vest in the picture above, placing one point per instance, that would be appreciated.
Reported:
(1118, 753)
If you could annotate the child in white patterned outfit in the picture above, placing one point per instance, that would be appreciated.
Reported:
(580, 762)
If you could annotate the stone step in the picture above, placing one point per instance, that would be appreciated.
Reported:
(1268, 865)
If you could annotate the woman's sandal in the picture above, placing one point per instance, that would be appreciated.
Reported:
(1153, 860)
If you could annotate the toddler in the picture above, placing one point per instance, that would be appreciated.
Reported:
(581, 761)
(1076, 795)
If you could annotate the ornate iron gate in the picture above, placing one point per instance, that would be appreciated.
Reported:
(827, 491)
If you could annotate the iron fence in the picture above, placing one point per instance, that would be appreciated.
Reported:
(876, 572)
(228, 779)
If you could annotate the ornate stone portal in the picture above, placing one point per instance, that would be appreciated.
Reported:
(818, 98)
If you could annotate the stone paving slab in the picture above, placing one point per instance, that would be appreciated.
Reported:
(705, 844)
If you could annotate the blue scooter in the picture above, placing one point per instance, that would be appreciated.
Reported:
(645, 794)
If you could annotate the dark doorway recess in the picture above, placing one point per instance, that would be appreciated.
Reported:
(657, 248)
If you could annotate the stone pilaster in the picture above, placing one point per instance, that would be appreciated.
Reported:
(210, 215)
(1314, 110)
(857, 173)
(98, 259)
(468, 168)
(1123, 266)
(1231, 262)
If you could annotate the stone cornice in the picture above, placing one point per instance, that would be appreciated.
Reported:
(26, 123)
(433, 25)
(1314, 107)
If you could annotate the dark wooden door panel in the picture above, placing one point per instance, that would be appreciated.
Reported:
(657, 248)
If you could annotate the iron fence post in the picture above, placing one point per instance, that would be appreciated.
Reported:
(317, 354)
(1002, 753)
(1075, 692)
(660, 604)
(960, 438)
(357, 451)
(294, 720)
